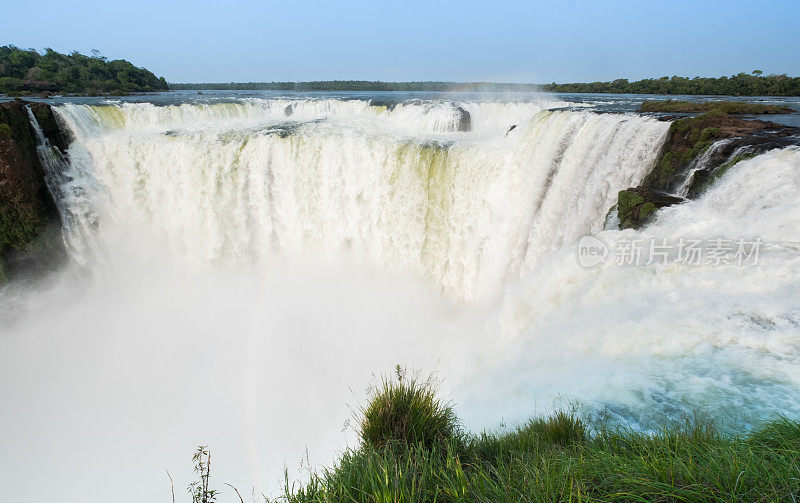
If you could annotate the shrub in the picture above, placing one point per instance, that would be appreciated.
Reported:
(407, 412)
(709, 133)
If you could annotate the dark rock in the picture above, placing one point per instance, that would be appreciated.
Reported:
(288, 111)
(50, 126)
(689, 137)
(29, 222)
(637, 205)
(511, 129)
(739, 149)
(464, 120)
(389, 104)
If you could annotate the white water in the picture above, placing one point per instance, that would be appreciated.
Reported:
(244, 273)
(464, 210)
(700, 163)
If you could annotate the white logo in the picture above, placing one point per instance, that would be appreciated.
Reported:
(591, 251)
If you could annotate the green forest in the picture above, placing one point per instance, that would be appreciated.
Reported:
(26, 71)
(742, 84)
(360, 85)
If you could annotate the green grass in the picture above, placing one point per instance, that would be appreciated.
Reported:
(407, 411)
(563, 458)
(730, 107)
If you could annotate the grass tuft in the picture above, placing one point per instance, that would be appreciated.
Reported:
(562, 428)
(407, 411)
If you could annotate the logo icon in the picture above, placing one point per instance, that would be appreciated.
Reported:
(591, 251)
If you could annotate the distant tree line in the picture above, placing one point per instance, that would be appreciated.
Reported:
(359, 85)
(742, 84)
(27, 71)
(729, 107)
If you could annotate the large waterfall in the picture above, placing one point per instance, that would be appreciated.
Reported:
(399, 188)
(241, 269)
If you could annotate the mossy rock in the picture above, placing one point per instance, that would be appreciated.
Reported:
(636, 206)
(19, 224)
(688, 138)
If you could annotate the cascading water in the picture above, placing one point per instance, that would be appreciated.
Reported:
(223, 183)
(254, 262)
(699, 164)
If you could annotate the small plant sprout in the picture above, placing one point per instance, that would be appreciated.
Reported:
(202, 466)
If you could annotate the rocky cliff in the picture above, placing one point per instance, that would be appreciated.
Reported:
(693, 157)
(30, 227)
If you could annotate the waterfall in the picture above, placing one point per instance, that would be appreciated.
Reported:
(401, 188)
(247, 267)
(661, 339)
(699, 164)
(59, 181)
(53, 161)
(41, 139)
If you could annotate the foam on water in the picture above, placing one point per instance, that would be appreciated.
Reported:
(647, 343)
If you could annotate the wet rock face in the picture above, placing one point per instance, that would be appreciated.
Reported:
(28, 216)
(49, 124)
(464, 120)
(688, 139)
(739, 149)
(637, 205)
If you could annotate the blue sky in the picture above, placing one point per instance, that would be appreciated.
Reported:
(515, 41)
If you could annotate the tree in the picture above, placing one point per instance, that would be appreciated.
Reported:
(74, 72)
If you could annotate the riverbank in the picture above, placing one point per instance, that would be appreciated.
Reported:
(729, 107)
(555, 458)
(741, 84)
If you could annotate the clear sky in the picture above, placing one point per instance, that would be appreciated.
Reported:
(510, 41)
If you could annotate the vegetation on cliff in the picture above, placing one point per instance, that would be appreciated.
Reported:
(28, 71)
(687, 140)
(729, 107)
(741, 84)
(561, 458)
(636, 205)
